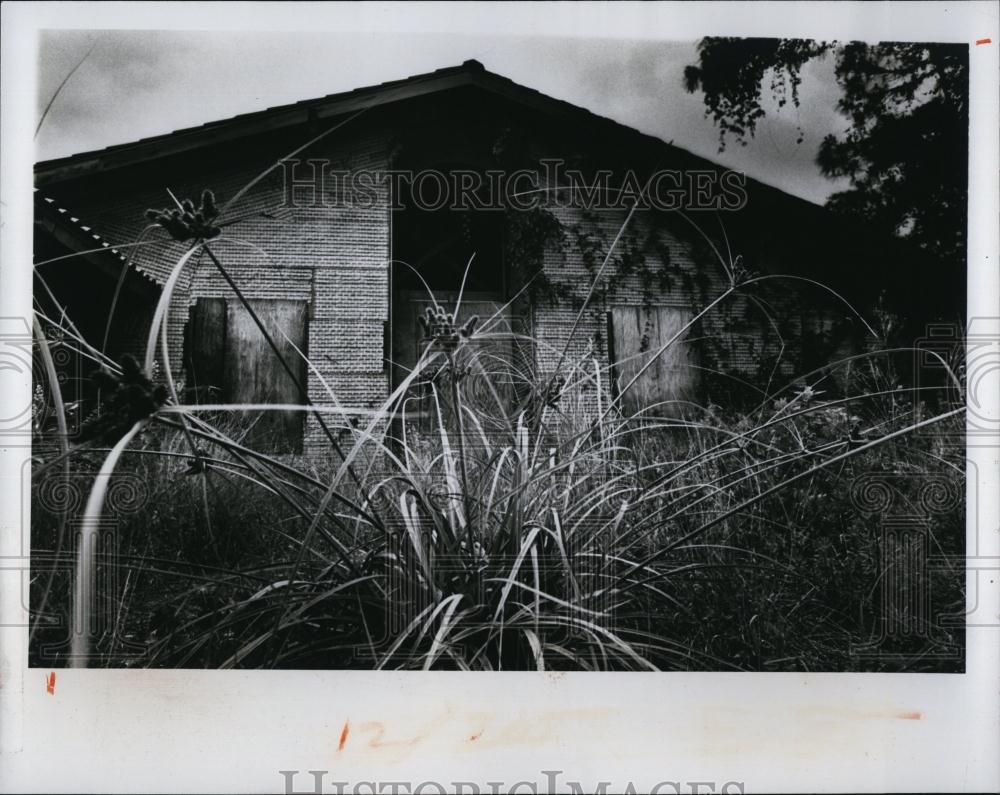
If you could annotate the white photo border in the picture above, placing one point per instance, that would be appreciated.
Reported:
(233, 731)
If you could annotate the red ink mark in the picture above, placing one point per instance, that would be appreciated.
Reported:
(343, 735)
(50, 684)
(476, 736)
(910, 715)
(983, 41)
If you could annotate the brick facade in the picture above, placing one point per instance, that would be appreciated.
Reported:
(338, 259)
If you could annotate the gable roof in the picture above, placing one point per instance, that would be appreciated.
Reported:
(348, 104)
(817, 239)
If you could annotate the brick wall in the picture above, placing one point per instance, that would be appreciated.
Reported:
(337, 259)
(334, 258)
(740, 327)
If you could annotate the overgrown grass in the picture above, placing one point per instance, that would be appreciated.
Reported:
(501, 524)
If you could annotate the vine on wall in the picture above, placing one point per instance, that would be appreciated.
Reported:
(738, 348)
(531, 233)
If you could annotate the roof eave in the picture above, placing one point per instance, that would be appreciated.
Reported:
(237, 128)
(345, 105)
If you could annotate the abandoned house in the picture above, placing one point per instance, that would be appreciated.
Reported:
(343, 280)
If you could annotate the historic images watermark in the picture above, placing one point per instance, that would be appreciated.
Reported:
(58, 500)
(55, 494)
(316, 183)
(548, 781)
(906, 509)
(18, 360)
(965, 364)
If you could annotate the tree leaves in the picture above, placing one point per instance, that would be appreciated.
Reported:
(905, 151)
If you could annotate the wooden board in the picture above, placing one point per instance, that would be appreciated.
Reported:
(205, 351)
(637, 334)
(253, 373)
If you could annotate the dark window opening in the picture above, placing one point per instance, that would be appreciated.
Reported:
(437, 246)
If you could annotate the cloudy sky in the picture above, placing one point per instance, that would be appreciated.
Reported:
(140, 83)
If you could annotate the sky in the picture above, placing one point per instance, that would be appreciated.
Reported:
(140, 83)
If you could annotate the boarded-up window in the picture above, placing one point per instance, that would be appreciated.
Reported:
(205, 350)
(637, 335)
(229, 360)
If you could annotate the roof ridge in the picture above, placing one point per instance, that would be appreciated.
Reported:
(474, 69)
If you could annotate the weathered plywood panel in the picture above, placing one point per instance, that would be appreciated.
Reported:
(638, 334)
(254, 373)
(205, 350)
